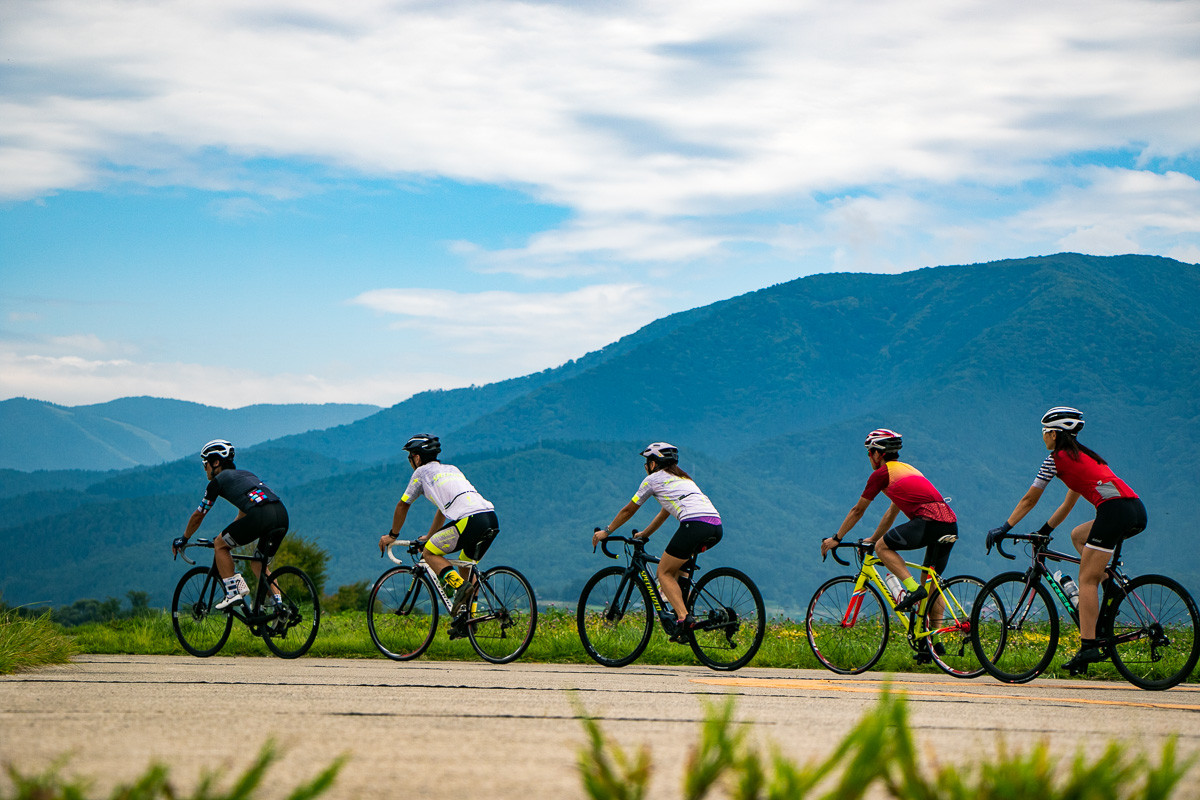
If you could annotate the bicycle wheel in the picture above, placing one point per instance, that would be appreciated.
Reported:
(951, 649)
(1014, 628)
(1163, 616)
(402, 613)
(503, 617)
(201, 629)
(614, 617)
(847, 630)
(730, 620)
(294, 628)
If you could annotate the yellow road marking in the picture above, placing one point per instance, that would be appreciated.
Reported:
(877, 687)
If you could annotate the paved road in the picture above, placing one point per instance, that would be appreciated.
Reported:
(467, 729)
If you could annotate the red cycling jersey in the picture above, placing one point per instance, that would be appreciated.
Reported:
(1090, 479)
(911, 491)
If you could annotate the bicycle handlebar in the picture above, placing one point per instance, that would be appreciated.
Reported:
(633, 540)
(413, 546)
(859, 545)
(998, 541)
(198, 543)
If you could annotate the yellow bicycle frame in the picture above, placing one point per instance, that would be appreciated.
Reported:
(868, 573)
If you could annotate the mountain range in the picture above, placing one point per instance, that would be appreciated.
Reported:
(768, 394)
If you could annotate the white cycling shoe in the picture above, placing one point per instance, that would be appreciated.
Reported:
(235, 590)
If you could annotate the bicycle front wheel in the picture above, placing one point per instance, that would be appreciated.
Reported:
(294, 628)
(1159, 619)
(1014, 628)
(614, 618)
(730, 619)
(950, 645)
(402, 613)
(503, 616)
(847, 630)
(200, 628)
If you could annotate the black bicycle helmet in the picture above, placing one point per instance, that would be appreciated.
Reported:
(1063, 418)
(425, 444)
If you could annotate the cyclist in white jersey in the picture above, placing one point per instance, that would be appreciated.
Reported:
(699, 526)
(464, 521)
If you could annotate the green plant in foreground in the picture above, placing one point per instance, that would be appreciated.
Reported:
(154, 783)
(879, 756)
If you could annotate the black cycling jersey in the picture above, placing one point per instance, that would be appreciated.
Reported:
(238, 486)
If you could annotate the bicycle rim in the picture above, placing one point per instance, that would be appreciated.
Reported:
(847, 630)
(503, 617)
(294, 628)
(1014, 628)
(402, 613)
(730, 619)
(951, 649)
(1163, 617)
(201, 630)
(613, 617)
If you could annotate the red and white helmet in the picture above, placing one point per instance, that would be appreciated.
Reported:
(883, 440)
(1063, 418)
(662, 452)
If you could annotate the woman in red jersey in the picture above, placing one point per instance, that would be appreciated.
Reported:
(1119, 515)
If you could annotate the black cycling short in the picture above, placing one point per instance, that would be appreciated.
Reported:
(1116, 520)
(268, 523)
(936, 537)
(472, 535)
(693, 537)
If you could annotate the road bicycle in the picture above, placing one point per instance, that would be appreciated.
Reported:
(1147, 625)
(848, 618)
(499, 614)
(616, 611)
(288, 628)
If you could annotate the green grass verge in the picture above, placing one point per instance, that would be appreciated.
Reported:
(344, 635)
(28, 642)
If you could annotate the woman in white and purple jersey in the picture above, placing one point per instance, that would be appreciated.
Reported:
(699, 524)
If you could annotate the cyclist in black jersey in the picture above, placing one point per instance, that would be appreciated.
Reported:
(261, 516)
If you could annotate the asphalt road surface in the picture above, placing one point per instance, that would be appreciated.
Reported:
(471, 730)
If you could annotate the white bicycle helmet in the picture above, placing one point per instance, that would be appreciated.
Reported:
(1063, 418)
(662, 452)
(217, 447)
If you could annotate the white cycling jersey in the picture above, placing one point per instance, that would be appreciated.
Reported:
(448, 489)
(680, 497)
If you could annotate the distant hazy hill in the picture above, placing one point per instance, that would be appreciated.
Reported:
(145, 430)
(769, 393)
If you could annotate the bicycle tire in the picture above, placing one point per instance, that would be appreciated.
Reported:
(402, 613)
(1168, 652)
(845, 639)
(503, 616)
(730, 619)
(201, 629)
(295, 626)
(614, 617)
(1021, 653)
(958, 658)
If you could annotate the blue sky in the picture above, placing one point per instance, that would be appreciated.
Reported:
(242, 202)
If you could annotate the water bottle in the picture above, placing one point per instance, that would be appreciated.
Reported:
(1069, 587)
(894, 586)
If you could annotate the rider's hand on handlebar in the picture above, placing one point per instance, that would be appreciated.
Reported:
(598, 536)
(177, 545)
(995, 533)
(827, 544)
(385, 540)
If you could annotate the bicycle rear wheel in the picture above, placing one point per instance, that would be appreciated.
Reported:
(614, 618)
(402, 613)
(1014, 628)
(294, 628)
(730, 619)
(847, 630)
(200, 628)
(951, 649)
(1163, 616)
(503, 617)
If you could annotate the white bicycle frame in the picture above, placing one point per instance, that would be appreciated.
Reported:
(433, 577)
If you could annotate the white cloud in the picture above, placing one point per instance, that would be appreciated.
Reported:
(528, 331)
(75, 380)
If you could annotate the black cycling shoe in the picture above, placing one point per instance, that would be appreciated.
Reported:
(925, 657)
(683, 628)
(1086, 655)
(911, 599)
